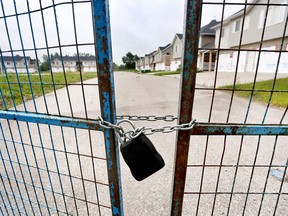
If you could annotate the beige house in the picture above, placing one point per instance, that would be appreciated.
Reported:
(177, 44)
(140, 64)
(169, 57)
(162, 58)
(206, 53)
(253, 29)
(18, 63)
(71, 63)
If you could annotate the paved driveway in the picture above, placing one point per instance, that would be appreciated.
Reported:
(151, 95)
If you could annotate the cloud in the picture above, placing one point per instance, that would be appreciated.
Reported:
(138, 26)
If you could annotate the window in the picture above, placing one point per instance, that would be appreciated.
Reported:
(237, 26)
(276, 14)
(176, 49)
(8, 63)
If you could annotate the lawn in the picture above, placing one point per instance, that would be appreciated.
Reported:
(23, 82)
(279, 99)
(164, 73)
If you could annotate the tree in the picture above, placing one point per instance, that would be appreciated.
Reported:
(45, 66)
(129, 60)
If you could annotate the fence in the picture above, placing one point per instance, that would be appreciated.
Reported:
(57, 157)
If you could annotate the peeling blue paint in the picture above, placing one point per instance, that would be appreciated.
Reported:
(50, 120)
(101, 22)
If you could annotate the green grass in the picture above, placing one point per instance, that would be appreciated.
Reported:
(279, 99)
(72, 77)
(164, 73)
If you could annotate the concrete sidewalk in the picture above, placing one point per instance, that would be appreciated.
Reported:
(226, 78)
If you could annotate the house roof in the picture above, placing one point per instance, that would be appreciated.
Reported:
(75, 58)
(150, 53)
(16, 58)
(207, 29)
(210, 45)
(165, 47)
(180, 36)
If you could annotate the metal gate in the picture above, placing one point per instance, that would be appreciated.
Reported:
(58, 159)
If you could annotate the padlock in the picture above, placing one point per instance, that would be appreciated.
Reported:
(142, 157)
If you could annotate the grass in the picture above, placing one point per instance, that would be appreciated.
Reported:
(279, 99)
(59, 79)
(164, 73)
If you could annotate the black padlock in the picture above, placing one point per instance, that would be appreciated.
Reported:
(142, 157)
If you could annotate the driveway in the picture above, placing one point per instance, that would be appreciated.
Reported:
(151, 95)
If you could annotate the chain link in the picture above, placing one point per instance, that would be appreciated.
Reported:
(135, 132)
(167, 118)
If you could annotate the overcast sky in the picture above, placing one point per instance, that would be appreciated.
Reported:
(137, 26)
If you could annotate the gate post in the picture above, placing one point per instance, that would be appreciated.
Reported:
(103, 48)
(187, 90)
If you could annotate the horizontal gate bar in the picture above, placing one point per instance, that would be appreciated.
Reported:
(199, 128)
(239, 129)
(51, 120)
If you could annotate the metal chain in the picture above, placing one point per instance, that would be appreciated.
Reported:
(132, 134)
(167, 118)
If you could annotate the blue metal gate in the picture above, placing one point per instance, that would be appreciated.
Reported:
(59, 158)
(47, 168)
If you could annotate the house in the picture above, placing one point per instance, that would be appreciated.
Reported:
(19, 64)
(176, 57)
(162, 58)
(206, 53)
(251, 43)
(140, 64)
(148, 61)
(72, 63)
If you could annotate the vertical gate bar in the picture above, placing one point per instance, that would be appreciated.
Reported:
(187, 90)
(103, 50)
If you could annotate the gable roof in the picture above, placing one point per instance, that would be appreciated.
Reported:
(75, 58)
(180, 36)
(207, 29)
(16, 58)
(165, 47)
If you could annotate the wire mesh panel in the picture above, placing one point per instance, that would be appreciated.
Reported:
(236, 162)
(50, 165)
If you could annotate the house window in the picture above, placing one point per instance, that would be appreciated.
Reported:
(237, 26)
(176, 49)
(8, 63)
(276, 14)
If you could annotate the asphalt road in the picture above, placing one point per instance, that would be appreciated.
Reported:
(149, 95)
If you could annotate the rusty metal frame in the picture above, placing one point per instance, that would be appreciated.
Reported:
(101, 22)
(188, 82)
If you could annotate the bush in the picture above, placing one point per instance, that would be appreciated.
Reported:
(145, 71)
